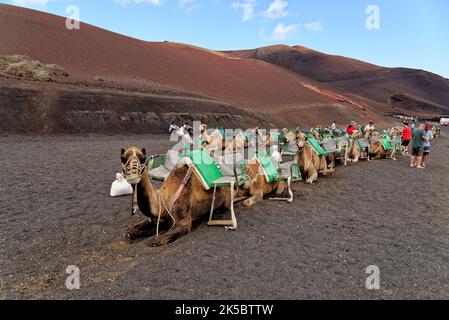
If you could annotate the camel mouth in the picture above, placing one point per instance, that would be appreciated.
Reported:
(133, 171)
(133, 179)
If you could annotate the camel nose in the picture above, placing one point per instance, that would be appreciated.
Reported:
(133, 178)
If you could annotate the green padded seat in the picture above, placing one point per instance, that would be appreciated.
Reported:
(268, 167)
(386, 142)
(205, 167)
(317, 147)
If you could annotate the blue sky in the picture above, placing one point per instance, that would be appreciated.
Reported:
(412, 33)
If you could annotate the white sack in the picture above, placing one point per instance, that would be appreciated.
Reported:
(121, 187)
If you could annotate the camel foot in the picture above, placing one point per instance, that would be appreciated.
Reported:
(248, 203)
(143, 229)
(169, 236)
(157, 242)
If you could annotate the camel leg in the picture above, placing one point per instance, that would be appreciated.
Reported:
(368, 153)
(171, 235)
(313, 175)
(356, 158)
(378, 156)
(324, 170)
(280, 187)
(143, 229)
(346, 156)
(257, 197)
(240, 193)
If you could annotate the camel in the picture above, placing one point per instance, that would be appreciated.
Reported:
(378, 151)
(213, 142)
(353, 152)
(257, 185)
(289, 136)
(238, 145)
(288, 143)
(263, 141)
(308, 161)
(180, 201)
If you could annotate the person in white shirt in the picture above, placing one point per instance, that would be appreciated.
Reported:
(173, 128)
(333, 126)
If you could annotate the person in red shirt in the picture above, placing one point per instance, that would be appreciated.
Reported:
(352, 127)
(406, 137)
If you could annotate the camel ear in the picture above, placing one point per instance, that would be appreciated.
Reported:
(123, 151)
(144, 151)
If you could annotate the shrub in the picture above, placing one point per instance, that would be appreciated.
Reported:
(29, 69)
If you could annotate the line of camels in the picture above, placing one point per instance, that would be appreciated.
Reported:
(182, 199)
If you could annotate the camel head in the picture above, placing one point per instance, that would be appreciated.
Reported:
(301, 140)
(133, 164)
(371, 133)
(289, 136)
(357, 134)
(203, 128)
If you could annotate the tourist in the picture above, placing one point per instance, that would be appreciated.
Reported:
(406, 137)
(173, 128)
(333, 126)
(419, 138)
(426, 151)
(352, 127)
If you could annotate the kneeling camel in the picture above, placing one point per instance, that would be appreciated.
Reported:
(181, 200)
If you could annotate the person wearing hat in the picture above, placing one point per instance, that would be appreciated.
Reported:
(429, 137)
(352, 127)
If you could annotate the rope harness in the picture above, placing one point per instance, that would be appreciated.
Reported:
(133, 170)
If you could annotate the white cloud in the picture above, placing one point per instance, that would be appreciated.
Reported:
(189, 5)
(282, 32)
(314, 26)
(276, 9)
(247, 7)
(126, 2)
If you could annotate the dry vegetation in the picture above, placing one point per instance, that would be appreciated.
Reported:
(29, 69)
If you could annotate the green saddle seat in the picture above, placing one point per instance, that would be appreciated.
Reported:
(317, 147)
(386, 142)
(269, 169)
(362, 143)
(205, 168)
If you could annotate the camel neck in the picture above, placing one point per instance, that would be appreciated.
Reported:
(147, 197)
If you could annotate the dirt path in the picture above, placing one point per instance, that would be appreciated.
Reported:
(55, 212)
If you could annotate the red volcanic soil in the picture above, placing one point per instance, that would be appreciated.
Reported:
(91, 52)
(283, 97)
(427, 93)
